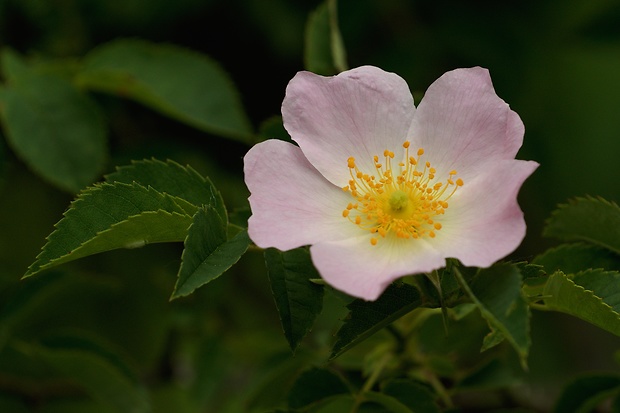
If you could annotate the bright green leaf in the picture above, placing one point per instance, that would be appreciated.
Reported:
(177, 82)
(173, 179)
(124, 216)
(496, 291)
(208, 253)
(572, 258)
(324, 48)
(564, 295)
(315, 385)
(593, 220)
(56, 130)
(584, 394)
(101, 378)
(299, 301)
(366, 318)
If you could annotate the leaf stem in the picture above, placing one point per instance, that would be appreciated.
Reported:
(370, 382)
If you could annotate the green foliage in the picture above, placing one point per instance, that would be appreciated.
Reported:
(104, 336)
(87, 367)
(181, 182)
(593, 220)
(571, 258)
(366, 318)
(177, 82)
(314, 386)
(561, 293)
(417, 397)
(324, 51)
(297, 298)
(53, 127)
(585, 393)
(496, 291)
(104, 217)
(208, 251)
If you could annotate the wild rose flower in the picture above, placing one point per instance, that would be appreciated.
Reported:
(381, 189)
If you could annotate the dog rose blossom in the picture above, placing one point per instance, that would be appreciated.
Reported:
(381, 189)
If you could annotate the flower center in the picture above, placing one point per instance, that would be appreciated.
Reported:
(401, 200)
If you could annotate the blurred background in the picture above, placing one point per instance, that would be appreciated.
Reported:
(556, 62)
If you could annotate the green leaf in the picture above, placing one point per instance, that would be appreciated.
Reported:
(99, 376)
(110, 216)
(299, 301)
(496, 291)
(416, 396)
(584, 394)
(56, 130)
(593, 220)
(604, 284)
(177, 82)
(208, 253)
(173, 179)
(366, 318)
(324, 48)
(12, 64)
(564, 295)
(315, 385)
(388, 403)
(571, 258)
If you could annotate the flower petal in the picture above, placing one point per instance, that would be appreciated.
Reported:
(484, 223)
(364, 271)
(292, 203)
(462, 124)
(359, 113)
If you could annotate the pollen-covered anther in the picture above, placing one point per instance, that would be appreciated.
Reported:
(399, 200)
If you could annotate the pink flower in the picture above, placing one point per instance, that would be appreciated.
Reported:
(381, 189)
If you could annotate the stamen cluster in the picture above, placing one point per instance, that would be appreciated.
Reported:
(399, 199)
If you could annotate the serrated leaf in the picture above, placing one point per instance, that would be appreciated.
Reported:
(101, 378)
(604, 284)
(208, 253)
(571, 258)
(584, 394)
(173, 179)
(593, 220)
(496, 291)
(56, 130)
(299, 301)
(324, 51)
(564, 295)
(102, 211)
(314, 386)
(177, 82)
(366, 318)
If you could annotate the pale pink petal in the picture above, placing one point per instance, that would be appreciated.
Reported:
(362, 270)
(484, 223)
(292, 203)
(359, 113)
(462, 124)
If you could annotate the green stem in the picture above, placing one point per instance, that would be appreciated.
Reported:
(370, 382)
(439, 389)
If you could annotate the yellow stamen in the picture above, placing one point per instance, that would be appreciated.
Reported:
(398, 199)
